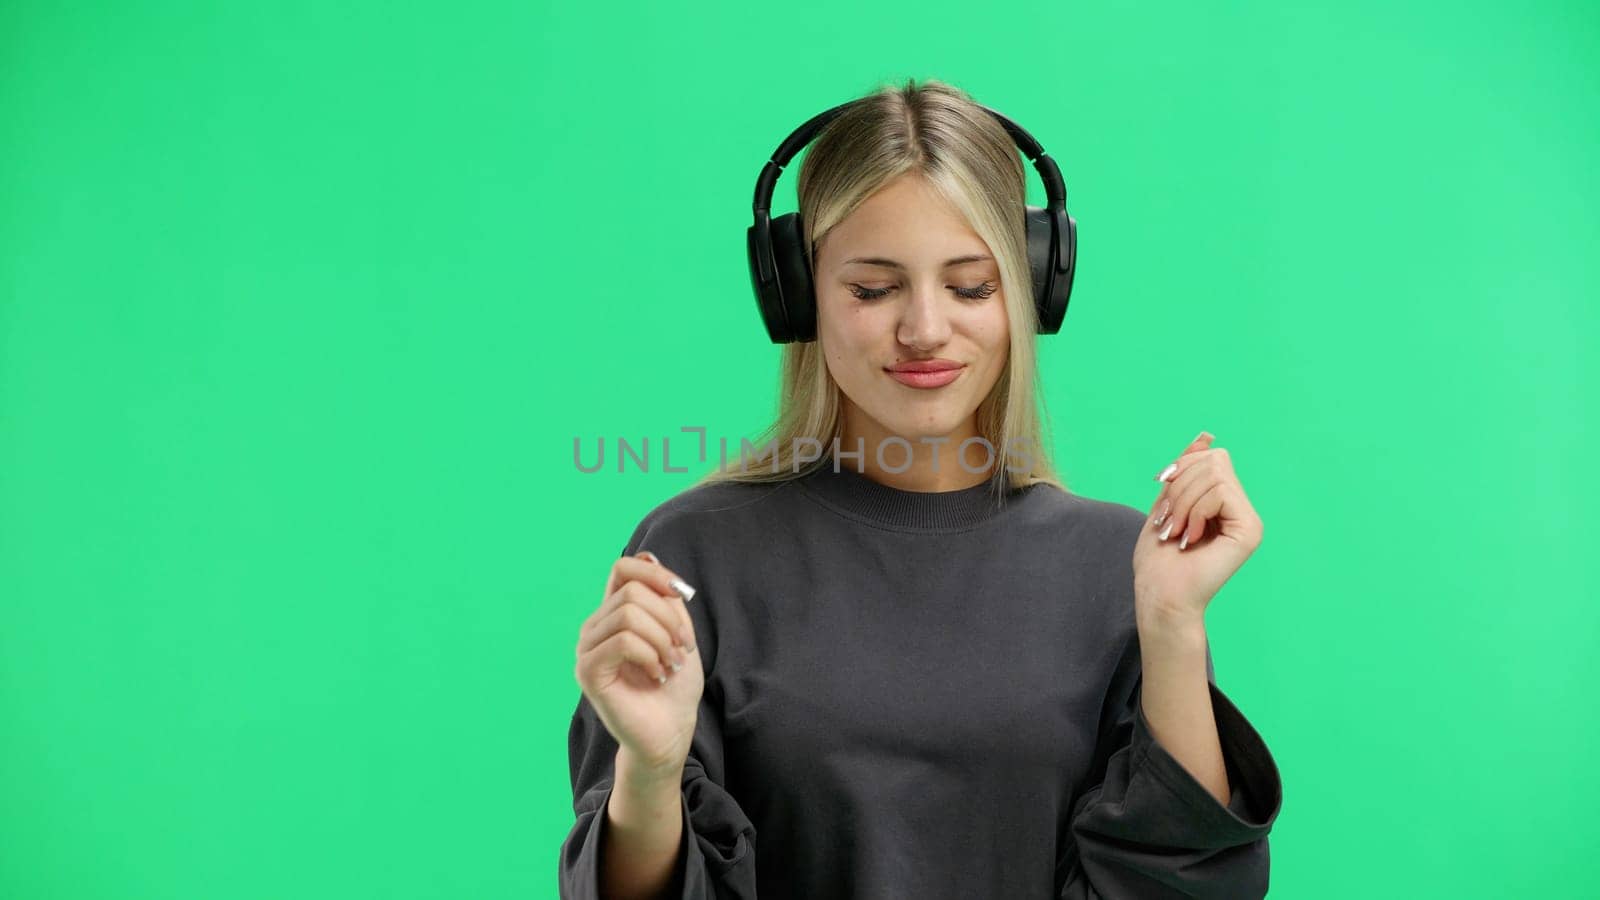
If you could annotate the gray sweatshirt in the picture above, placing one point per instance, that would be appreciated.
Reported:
(930, 695)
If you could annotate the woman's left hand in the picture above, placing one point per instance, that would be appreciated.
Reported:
(1210, 529)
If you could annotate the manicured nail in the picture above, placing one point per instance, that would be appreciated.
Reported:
(1185, 542)
(1168, 530)
(1166, 507)
(683, 589)
(1167, 472)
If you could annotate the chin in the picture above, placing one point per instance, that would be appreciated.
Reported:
(914, 429)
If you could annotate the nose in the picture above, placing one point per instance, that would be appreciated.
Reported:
(924, 323)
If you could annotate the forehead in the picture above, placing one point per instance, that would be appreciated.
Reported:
(906, 223)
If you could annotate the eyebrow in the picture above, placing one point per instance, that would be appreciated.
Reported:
(893, 264)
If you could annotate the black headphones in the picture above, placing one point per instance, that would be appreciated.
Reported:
(781, 274)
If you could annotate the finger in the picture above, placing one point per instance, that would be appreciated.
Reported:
(626, 647)
(1199, 450)
(1184, 489)
(679, 586)
(647, 568)
(642, 566)
(1161, 508)
(1201, 441)
(1200, 444)
(1204, 508)
(643, 612)
(684, 591)
(675, 582)
(663, 610)
(614, 578)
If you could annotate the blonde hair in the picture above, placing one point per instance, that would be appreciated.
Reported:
(938, 131)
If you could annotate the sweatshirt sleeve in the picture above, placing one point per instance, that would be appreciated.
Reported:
(1146, 828)
(716, 859)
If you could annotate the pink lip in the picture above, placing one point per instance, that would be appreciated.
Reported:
(925, 365)
(927, 378)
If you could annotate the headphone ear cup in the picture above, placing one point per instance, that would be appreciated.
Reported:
(1041, 250)
(1062, 289)
(798, 299)
(758, 246)
(1051, 290)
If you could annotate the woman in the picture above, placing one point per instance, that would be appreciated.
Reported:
(909, 666)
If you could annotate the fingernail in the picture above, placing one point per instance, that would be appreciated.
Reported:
(1200, 435)
(683, 589)
(1167, 472)
(1166, 507)
(1166, 531)
(1183, 543)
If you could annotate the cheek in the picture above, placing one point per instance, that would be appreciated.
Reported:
(995, 340)
(846, 337)
(990, 332)
(853, 327)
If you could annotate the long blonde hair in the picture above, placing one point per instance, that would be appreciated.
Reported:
(936, 130)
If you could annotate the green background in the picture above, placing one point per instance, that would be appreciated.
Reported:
(302, 306)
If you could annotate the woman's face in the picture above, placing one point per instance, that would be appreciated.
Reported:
(907, 304)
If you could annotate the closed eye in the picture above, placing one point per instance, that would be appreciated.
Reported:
(980, 292)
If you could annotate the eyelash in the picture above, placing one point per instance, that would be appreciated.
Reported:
(980, 292)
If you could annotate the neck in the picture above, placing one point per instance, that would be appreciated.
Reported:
(934, 463)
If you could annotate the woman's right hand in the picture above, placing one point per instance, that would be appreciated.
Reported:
(626, 646)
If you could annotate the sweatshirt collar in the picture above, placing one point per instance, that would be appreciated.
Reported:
(860, 496)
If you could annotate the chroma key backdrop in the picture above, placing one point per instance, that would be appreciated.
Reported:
(305, 307)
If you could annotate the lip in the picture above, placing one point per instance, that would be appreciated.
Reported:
(925, 365)
(926, 373)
